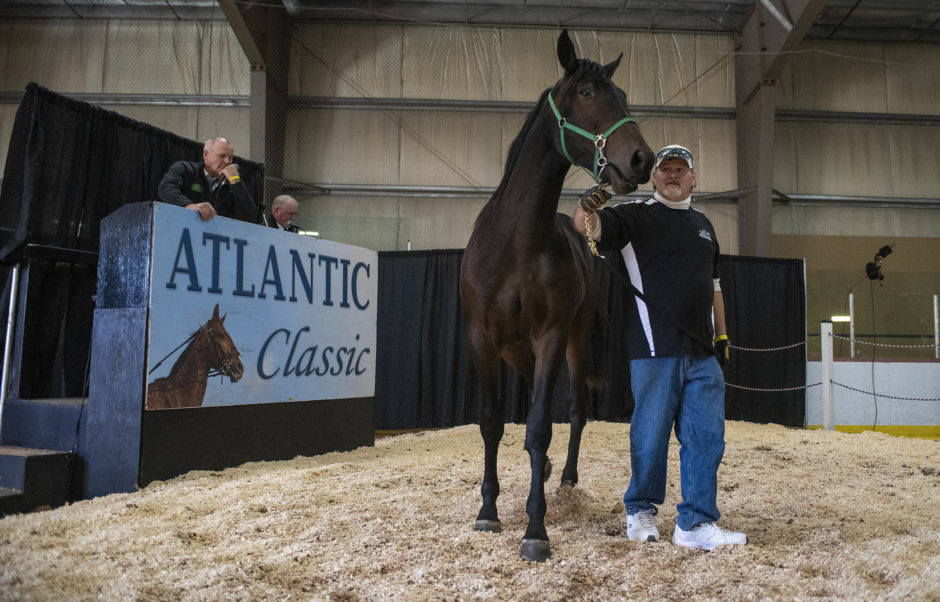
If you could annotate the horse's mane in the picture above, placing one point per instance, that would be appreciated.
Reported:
(514, 149)
(590, 71)
(516, 146)
(184, 354)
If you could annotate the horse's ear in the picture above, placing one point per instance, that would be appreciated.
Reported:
(610, 67)
(566, 55)
(215, 312)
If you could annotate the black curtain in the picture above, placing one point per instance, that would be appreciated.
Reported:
(765, 308)
(425, 377)
(69, 165)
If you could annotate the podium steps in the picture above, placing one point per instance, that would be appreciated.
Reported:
(37, 466)
(33, 478)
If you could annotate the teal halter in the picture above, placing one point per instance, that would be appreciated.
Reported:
(600, 140)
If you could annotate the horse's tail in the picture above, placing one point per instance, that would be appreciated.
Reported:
(583, 261)
(585, 265)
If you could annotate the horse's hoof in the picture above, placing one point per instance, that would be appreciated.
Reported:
(535, 550)
(493, 526)
(548, 470)
(568, 480)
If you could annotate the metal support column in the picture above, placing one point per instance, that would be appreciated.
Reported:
(755, 135)
(773, 28)
(264, 33)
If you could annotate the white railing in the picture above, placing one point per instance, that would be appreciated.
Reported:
(936, 329)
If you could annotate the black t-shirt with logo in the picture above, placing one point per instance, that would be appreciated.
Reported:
(671, 256)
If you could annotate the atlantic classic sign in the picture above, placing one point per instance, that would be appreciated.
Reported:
(242, 314)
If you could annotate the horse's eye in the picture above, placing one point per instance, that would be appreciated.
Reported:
(585, 92)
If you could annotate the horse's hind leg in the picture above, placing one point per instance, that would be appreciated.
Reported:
(492, 425)
(577, 409)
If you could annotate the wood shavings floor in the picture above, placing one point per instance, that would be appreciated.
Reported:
(829, 515)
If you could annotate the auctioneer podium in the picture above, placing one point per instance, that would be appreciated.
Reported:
(221, 342)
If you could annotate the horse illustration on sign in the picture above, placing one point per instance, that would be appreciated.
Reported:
(210, 352)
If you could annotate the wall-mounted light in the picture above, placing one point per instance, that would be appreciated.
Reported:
(873, 269)
(841, 318)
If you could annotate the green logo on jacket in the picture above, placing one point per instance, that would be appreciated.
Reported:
(196, 186)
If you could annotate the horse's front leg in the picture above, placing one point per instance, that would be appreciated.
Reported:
(492, 425)
(538, 436)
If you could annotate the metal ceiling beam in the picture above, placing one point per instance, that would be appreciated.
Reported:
(773, 28)
(263, 31)
(640, 112)
(243, 32)
(871, 20)
(652, 15)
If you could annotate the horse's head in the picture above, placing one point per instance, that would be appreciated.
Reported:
(587, 100)
(227, 360)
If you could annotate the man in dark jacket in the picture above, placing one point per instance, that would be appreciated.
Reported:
(284, 211)
(212, 187)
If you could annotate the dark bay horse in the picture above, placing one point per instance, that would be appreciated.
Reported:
(210, 352)
(526, 281)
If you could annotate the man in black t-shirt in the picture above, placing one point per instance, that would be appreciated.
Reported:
(212, 187)
(676, 338)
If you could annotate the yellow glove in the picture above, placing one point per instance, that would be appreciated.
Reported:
(722, 348)
(592, 199)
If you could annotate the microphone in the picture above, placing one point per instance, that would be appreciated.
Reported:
(291, 226)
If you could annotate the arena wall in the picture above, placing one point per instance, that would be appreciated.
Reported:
(896, 397)
(396, 134)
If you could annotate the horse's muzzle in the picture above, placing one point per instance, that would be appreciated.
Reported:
(234, 370)
(618, 182)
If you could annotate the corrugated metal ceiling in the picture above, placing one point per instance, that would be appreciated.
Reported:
(871, 20)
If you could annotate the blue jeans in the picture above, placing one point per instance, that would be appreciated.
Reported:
(688, 392)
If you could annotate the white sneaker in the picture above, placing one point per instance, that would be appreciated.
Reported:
(707, 536)
(642, 526)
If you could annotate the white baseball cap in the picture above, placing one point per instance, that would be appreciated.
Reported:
(674, 151)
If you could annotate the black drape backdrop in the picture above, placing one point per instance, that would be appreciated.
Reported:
(765, 307)
(425, 377)
(69, 165)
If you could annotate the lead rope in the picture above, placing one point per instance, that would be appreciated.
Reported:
(191, 337)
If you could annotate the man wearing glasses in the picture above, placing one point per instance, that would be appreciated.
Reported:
(284, 210)
(676, 338)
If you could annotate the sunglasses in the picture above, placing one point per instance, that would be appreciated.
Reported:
(673, 152)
